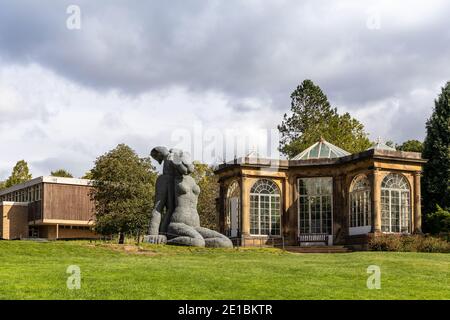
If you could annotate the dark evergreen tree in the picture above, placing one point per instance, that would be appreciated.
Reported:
(436, 175)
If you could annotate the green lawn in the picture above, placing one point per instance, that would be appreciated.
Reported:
(31, 270)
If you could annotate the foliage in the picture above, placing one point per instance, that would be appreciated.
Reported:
(123, 188)
(87, 175)
(61, 173)
(436, 149)
(19, 174)
(411, 146)
(2, 185)
(312, 118)
(209, 191)
(408, 243)
(117, 272)
(438, 221)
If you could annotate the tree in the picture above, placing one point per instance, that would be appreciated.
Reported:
(390, 143)
(209, 191)
(312, 118)
(20, 174)
(2, 185)
(436, 149)
(123, 188)
(411, 146)
(438, 221)
(61, 173)
(87, 175)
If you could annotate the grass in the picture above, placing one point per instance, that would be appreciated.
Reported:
(31, 270)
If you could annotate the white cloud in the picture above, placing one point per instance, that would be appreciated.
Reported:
(81, 123)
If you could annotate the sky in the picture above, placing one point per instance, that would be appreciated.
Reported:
(211, 77)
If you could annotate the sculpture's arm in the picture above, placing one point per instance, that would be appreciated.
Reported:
(181, 161)
(161, 194)
(155, 219)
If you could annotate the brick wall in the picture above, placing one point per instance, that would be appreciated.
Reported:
(14, 219)
(76, 233)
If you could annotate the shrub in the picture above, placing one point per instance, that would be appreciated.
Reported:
(408, 243)
(438, 221)
(385, 242)
(431, 244)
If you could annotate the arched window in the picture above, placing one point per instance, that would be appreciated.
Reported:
(395, 204)
(360, 215)
(233, 208)
(265, 217)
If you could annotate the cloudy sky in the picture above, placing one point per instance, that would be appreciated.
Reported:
(206, 75)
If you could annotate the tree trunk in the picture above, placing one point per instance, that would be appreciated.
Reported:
(121, 238)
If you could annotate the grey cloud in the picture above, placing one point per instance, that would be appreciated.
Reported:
(45, 166)
(243, 49)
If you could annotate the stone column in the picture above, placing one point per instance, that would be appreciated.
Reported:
(287, 203)
(220, 207)
(376, 199)
(245, 206)
(293, 210)
(417, 204)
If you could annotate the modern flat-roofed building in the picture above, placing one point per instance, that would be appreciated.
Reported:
(47, 207)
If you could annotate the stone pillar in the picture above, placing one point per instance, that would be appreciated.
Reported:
(220, 207)
(287, 203)
(340, 215)
(293, 210)
(245, 206)
(376, 200)
(417, 226)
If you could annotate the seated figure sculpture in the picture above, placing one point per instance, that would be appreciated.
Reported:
(177, 193)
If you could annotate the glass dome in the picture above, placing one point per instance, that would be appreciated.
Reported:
(321, 150)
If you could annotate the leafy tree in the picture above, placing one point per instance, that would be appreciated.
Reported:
(20, 174)
(2, 185)
(390, 143)
(411, 146)
(61, 173)
(209, 191)
(87, 175)
(436, 148)
(123, 188)
(312, 118)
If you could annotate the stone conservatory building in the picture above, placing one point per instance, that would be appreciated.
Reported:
(324, 195)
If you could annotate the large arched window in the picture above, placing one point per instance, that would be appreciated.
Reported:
(233, 208)
(360, 215)
(395, 204)
(265, 217)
